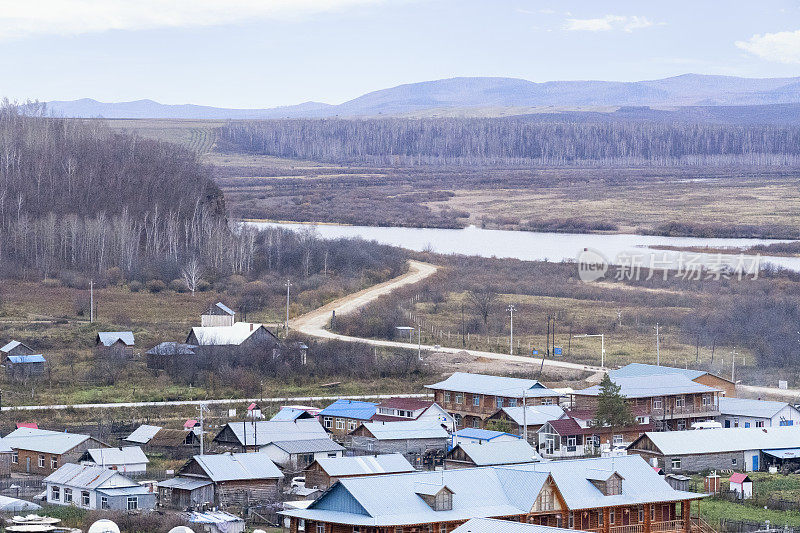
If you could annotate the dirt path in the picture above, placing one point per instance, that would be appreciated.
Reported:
(314, 323)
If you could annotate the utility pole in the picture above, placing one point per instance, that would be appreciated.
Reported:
(463, 342)
(733, 364)
(202, 408)
(286, 326)
(524, 415)
(419, 341)
(511, 310)
(602, 345)
(658, 347)
(91, 301)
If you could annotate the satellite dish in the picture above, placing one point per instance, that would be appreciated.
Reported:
(103, 526)
(181, 529)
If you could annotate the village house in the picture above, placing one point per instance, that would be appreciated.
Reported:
(128, 460)
(295, 455)
(577, 437)
(245, 335)
(422, 443)
(95, 487)
(479, 436)
(217, 315)
(15, 348)
(633, 370)
(399, 409)
(173, 443)
(115, 344)
(746, 449)
(326, 471)
(667, 401)
(221, 480)
(290, 413)
(169, 355)
(532, 416)
(343, 416)
(39, 451)
(467, 455)
(253, 435)
(744, 413)
(472, 398)
(22, 367)
(603, 495)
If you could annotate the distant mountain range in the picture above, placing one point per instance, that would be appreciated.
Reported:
(481, 97)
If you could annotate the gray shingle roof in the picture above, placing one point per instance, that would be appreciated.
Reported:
(500, 453)
(238, 466)
(143, 434)
(44, 441)
(87, 477)
(391, 463)
(753, 408)
(129, 455)
(654, 385)
(535, 415)
(308, 446)
(493, 385)
(723, 440)
(493, 525)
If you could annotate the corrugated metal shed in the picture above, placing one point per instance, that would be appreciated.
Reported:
(44, 441)
(390, 463)
(308, 446)
(655, 385)
(493, 525)
(723, 440)
(107, 338)
(500, 453)
(238, 466)
(414, 429)
(752, 408)
(22, 359)
(129, 455)
(143, 434)
(350, 409)
(493, 386)
(534, 415)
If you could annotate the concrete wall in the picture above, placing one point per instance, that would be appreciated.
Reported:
(709, 461)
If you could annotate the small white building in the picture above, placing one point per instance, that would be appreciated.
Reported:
(127, 460)
(95, 487)
(746, 413)
(742, 485)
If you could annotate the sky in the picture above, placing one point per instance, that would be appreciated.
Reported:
(266, 53)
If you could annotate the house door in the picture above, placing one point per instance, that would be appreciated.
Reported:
(755, 463)
(549, 444)
(28, 465)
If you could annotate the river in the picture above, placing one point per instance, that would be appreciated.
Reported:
(554, 247)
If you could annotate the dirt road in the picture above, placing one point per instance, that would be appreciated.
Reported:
(314, 323)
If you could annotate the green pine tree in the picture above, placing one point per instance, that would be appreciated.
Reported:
(612, 407)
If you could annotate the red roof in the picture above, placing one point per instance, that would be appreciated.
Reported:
(31, 425)
(739, 478)
(566, 426)
(190, 423)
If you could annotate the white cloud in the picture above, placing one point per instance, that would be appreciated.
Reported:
(781, 47)
(23, 18)
(609, 23)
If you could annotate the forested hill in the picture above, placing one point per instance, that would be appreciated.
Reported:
(75, 195)
(516, 141)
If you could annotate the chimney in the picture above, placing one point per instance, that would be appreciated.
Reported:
(251, 326)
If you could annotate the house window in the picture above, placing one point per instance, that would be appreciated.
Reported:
(443, 501)
(104, 502)
(301, 525)
(547, 401)
(498, 402)
(476, 423)
(786, 422)
(320, 528)
(442, 528)
(600, 514)
(512, 402)
(747, 424)
(332, 455)
(652, 513)
(759, 423)
(617, 440)
(447, 397)
(458, 420)
(572, 441)
(641, 420)
(706, 400)
(657, 403)
(55, 493)
(571, 520)
(459, 397)
(328, 422)
(15, 457)
(733, 461)
(54, 463)
(339, 423)
(351, 425)
(680, 401)
(676, 463)
(85, 498)
(41, 461)
(398, 530)
(67, 495)
(641, 514)
(612, 517)
(681, 425)
(476, 400)
(133, 503)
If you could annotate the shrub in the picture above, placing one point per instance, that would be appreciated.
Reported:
(135, 286)
(177, 285)
(51, 282)
(155, 285)
(81, 305)
(203, 285)
(114, 276)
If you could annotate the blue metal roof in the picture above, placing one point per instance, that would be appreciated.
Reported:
(350, 409)
(38, 358)
(481, 434)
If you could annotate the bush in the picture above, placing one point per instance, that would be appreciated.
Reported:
(81, 305)
(155, 285)
(51, 282)
(114, 276)
(135, 286)
(203, 285)
(178, 285)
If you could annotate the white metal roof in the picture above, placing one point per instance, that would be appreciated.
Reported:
(723, 440)
(184, 483)
(632, 370)
(534, 415)
(110, 337)
(88, 477)
(751, 408)
(225, 335)
(238, 466)
(390, 463)
(263, 432)
(494, 525)
(10, 346)
(143, 434)
(308, 446)
(654, 385)
(44, 441)
(129, 455)
(500, 452)
(221, 306)
(413, 429)
(493, 385)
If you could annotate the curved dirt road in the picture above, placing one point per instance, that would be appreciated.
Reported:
(314, 323)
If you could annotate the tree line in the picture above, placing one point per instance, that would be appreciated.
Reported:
(513, 141)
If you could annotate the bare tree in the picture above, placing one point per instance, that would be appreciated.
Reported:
(482, 302)
(192, 272)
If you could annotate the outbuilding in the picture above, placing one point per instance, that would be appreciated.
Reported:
(95, 487)
(742, 485)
